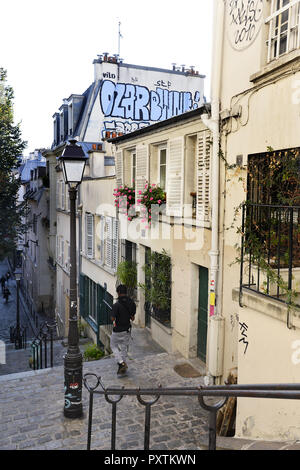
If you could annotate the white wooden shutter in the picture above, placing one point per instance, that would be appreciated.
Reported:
(115, 244)
(63, 192)
(62, 256)
(142, 169)
(175, 177)
(57, 194)
(57, 249)
(119, 167)
(102, 240)
(203, 175)
(89, 235)
(108, 241)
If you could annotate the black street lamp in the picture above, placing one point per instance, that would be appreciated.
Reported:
(73, 161)
(16, 335)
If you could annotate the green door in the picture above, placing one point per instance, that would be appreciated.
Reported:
(202, 313)
(148, 286)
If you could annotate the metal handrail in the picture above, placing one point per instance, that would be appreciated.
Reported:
(279, 391)
(42, 346)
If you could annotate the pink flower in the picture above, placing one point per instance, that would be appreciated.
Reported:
(129, 190)
(129, 197)
(151, 198)
(139, 200)
(145, 197)
(146, 186)
(159, 201)
(149, 216)
(153, 185)
(129, 218)
(150, 190)
(140, 192)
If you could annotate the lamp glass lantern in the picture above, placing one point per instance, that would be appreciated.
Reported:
(73, 161)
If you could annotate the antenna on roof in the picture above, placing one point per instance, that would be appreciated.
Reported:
(119, 37)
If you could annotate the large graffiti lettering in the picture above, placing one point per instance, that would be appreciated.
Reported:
(122, 127)
(244, 19)
(139, 104)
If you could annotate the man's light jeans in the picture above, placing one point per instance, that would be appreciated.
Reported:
(119, 343)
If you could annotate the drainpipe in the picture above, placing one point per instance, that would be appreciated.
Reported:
(216, 322)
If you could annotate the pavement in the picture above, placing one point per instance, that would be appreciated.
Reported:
(31, 404)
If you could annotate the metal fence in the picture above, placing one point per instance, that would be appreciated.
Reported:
(270, 249)
(42, 347)
(92, 382)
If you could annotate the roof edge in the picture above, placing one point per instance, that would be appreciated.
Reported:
(205, 108)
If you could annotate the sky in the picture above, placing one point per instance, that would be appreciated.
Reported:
(48, 48)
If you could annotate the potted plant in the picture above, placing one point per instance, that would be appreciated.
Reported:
(153, 194)
(158, 290)
(125, 200)
(127, 274)
(93, 353)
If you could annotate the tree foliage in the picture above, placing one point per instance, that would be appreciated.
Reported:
(11, 146)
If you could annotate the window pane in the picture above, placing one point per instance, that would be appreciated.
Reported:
(162, 181)
(163, 156)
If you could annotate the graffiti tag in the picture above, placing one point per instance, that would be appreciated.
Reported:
(244, 21)
(138, 103)
(243, 329)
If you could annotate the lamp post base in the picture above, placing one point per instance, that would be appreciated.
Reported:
(73, 385)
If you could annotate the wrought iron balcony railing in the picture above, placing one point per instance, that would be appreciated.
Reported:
(270, 251)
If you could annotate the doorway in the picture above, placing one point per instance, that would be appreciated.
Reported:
(202, 313)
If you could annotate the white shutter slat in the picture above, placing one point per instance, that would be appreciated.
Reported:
(63, 195)
(108, 239)
(203, 176)
(89, 234)
(119, 167)
(175, 177)
(142, 168)
(115, 244)
(57, 194)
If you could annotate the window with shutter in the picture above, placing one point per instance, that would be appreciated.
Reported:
(119, 167)
(89, 235)
(175, 177)
(108, 241)
(141, 168)
(203, 176)
(115, 244)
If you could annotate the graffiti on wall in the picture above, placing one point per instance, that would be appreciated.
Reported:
(244, 336)
(137, 106)
(244, 20)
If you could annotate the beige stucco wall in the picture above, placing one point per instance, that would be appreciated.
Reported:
(271, 356)
(269, 117)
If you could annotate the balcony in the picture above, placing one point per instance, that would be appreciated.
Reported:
(270, 251)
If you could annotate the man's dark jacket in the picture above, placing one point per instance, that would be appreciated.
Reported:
(123, 311)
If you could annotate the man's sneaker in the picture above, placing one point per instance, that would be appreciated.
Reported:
(122, 368)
